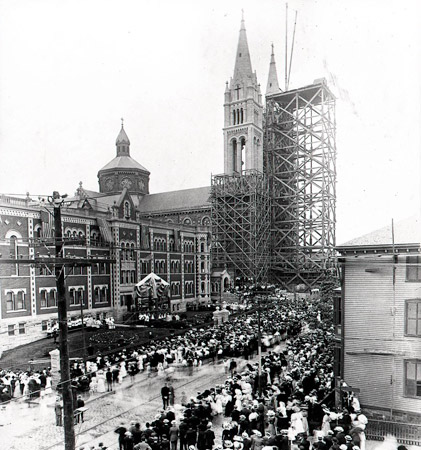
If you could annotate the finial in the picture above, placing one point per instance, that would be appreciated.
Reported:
(242, 15)
(272, 49)
(80, 184)
(122, 123)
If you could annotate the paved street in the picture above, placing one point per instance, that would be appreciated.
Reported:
(32, 426)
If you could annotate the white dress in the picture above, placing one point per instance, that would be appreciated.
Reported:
(297, 422)
(48, 389)
(100, 382)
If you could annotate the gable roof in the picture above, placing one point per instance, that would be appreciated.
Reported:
(407, 231)
(176, 200)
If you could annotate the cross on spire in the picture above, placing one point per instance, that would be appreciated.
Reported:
(238, 91)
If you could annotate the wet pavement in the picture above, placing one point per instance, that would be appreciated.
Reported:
(32, 426)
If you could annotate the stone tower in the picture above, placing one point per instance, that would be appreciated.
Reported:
(243, 108)
(123, 171)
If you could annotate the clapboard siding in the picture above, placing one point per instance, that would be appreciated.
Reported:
(375, 345)
(372, 375)
(368, 301)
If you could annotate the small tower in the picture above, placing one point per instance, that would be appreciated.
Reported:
(243, 126)
(273, 84)
(123, 171)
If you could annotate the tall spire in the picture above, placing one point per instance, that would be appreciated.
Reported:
(273, 84)
(242, 67)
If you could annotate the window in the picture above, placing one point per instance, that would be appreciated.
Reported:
(413, 378)
(11, 330)
(76, 296)
(127, 210)
(100, 294)
(22, 328)
(413, 268)
(413, 317)
(15, 300)
(48, 298)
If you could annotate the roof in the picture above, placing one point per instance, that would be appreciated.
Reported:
(242, 69)
(173, 200)
(122, 137)
(273, 84)
(407, 231)
(124, 162)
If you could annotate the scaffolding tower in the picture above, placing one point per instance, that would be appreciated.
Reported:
(300, 163)
(241, 224)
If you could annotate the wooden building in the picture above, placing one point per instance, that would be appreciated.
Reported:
(380, 319)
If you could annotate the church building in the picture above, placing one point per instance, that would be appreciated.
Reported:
(166, 233)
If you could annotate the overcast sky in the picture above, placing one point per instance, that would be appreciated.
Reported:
(69, 70)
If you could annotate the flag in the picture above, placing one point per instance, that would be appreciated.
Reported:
(47, 220)
(105, 230)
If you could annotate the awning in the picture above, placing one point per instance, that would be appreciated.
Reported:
(152, 286)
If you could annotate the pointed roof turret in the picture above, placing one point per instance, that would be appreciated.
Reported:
(242, 67)
(122, 142)
(273, 84)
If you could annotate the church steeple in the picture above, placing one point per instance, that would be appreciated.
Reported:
(122, 142)
(243, 125)
(273, 84)
(242, 68)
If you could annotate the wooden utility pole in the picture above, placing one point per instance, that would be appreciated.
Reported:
(65, 383)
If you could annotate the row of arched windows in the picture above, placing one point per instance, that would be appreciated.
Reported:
(175, 266)
(188, 246)
(188, 266)
(15, 300)
(160, 266)
(127, 251)
(160, 244)
(238, 116)
(189, 287)
(127, 276)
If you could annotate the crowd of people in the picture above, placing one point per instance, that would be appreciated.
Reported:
(282, 403)
(287, 404)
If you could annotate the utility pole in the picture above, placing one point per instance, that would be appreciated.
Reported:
(69, 431)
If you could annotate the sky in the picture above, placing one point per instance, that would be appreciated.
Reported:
(70, 70)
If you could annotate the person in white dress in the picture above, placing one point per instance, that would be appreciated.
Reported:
(100, 381)
(297, 420)
(48, 389)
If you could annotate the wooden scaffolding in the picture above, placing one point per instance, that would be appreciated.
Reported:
(300, 163)
(241, 224)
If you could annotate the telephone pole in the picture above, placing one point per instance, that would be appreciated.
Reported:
(65, 382)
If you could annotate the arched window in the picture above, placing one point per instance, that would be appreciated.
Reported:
(122, 252)
(233, 118)
(241, 116)
(132, 252)
(202, 247)
(126, 209)
(243, 154)
(234, 155)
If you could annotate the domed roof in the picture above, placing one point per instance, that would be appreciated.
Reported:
(124, 162)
